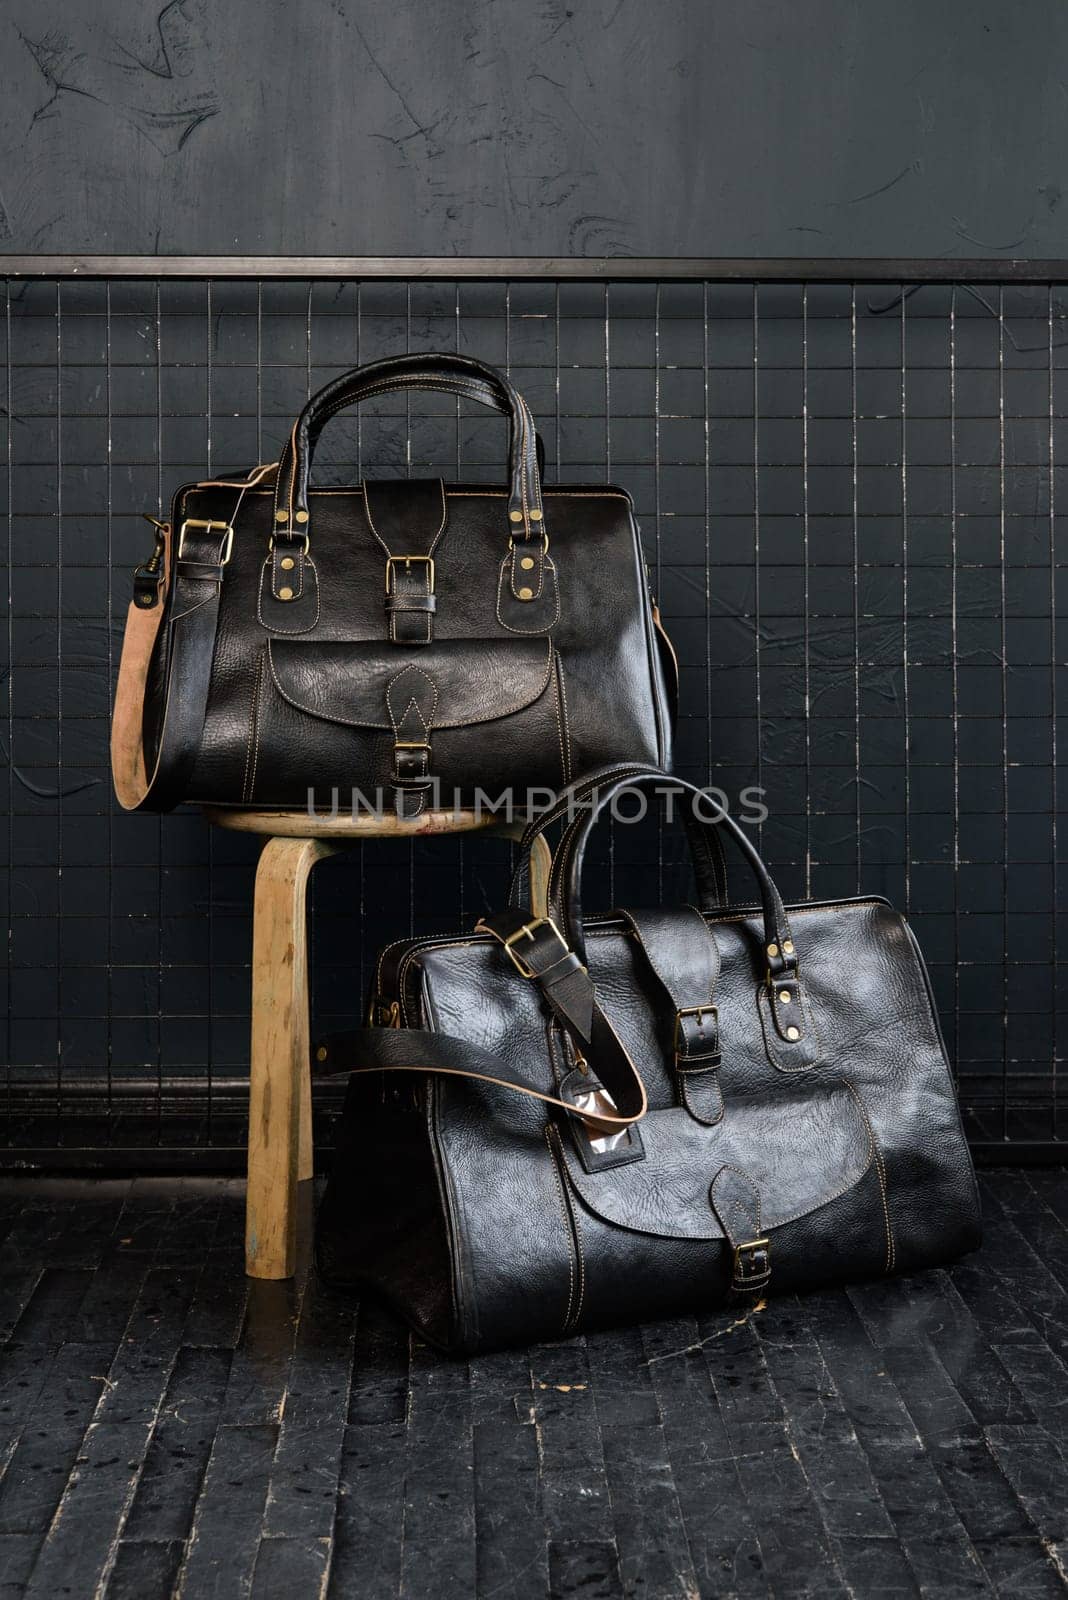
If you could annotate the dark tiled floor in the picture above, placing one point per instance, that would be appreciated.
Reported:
(166, 1427)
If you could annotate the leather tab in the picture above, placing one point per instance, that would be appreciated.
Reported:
(735, 1199)
(680, 949)
(528, 596)
(408, 516)
(299, 613)
(288, 560)
(411, 701)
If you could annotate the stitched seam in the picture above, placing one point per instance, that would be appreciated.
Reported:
(246, 793)
(560, 732)
(577, 1233)
(255, 760)
(569, 1233)
(877, 1156)
(273, 627)
(569, 768)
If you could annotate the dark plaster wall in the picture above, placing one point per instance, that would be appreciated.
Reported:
(704, 127)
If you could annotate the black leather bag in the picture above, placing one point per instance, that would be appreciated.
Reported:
(729, 1101)
(412, 639)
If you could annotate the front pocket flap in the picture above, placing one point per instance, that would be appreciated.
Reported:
(471, 680)
(802, 1150)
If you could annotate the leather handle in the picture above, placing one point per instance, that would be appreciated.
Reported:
(565, 882)
(710, 870)
(448, 373)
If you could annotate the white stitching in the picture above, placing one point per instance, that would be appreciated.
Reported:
(568, 1231)
(355, 722)
(543, 627)
(560, 729)
(413, 701)
(273, 627)
(246, 793)
(569, 765)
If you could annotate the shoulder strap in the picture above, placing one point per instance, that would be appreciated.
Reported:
(185, 586)
(540, 955)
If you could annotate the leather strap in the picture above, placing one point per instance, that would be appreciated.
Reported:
(735, 1198)
(408, 518)
(455, 374)
(541, 956)
(187, 601)
(684, 958)
(709, 865)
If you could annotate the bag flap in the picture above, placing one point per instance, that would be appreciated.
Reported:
(468, 680)
(802, 1149)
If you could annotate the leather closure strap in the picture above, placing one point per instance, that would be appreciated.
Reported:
(408, 518)
(684, 958)
(735, 1199)
(411, 700)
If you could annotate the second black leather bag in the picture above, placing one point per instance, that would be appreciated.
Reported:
(412, 639)
(727, 1103)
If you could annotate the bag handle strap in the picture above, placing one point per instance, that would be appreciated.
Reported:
(455, 374)
(178, 588)
(783, 989)
(706, 852)
(540, 955)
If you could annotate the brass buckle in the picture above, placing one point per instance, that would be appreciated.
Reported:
(527, 931)
(411, 744)
(747, 1266)
(392, 561)
(692, 1011)
(197, 522)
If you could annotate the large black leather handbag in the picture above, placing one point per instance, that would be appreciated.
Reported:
(411, 639)
(564, 1123)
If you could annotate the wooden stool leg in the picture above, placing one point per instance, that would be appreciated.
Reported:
(279, 1138)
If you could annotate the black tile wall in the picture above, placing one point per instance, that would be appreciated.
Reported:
(850, 499)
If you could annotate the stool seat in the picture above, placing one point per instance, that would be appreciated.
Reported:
(280, 1155)
(305, 825)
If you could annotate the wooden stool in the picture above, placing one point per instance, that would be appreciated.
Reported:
(280, 1123)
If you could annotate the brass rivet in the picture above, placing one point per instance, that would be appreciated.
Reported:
(784, 997)
(322, 1053)
(287, 563)
(285, 594)
(145, 600)
(526, 594)
(527, 563)
(281, 516)
(787, 947)
(793, 1033)
(302, 516)
(515, 516)
(773, 950)
(535, 516)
